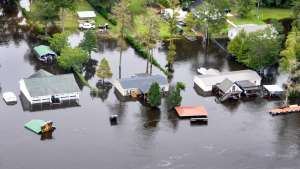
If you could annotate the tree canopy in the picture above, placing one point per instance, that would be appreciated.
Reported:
(58, 42)
(174, 99)
(154, 95)
(72, 58)
(104, 70)
(89, 41)
(256, 50)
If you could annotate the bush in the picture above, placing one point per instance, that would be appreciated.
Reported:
(103, 11)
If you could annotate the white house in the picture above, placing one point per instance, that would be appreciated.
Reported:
(206, 82)
(140, 83)
(44, 87)
(248, 28)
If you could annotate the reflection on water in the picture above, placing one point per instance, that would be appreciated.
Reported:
(238, 135)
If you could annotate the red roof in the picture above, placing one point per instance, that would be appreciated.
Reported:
(191, 111)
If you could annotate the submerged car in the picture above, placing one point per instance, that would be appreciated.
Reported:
(86, 26)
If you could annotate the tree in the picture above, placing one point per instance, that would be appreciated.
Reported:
(154, 95)
(89, 42)
(122, 13)
(150, 38)
(59, 41)
(64, 5)
(45, 12)
(211, 16)
(244, 7)
(256, 50)
(190, 24)
(174, 99)
(296, 14)
(104, 70)
(72, 58)
(171, 55)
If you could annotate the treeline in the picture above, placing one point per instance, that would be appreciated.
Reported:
(277, 3)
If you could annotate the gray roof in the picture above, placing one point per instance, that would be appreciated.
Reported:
(142, 82)
(245, 84)
(43, 83)
(234, 76)
(225, 85)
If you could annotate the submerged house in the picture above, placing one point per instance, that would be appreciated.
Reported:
(227, 90)
(206, 82)
(249, 88)
(44, 87)
(139, 84)
(44, 53)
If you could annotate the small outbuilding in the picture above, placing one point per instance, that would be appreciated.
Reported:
(86, 16)
(44, 53)
(44, 87)
(40, 126)
(140, 84)
(227, 90)
(192, 112)
(249, 88)
(272, 91)
(9, 97)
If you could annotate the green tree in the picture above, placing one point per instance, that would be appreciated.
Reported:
(137, 7)
(190, 24)
(174, 98)
(211, 17)
(256, 50)
(154, 95)
(104, 70)
(59, 41)
(89, 42)
(171, 55)
(45, 12)
(244, 7)
(150, 38)
(64, 5)
(72, 58)
(122, 13)
(296, 14)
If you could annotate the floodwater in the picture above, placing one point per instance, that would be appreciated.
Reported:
(238, 135)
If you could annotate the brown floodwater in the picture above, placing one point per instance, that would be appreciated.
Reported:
(239, 135)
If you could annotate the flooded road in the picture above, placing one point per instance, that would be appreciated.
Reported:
(239, 135)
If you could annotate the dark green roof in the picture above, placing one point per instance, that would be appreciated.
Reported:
(35, 125)
(43, 50)
(43, 83)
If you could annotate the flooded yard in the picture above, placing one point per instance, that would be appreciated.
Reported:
(239, 135)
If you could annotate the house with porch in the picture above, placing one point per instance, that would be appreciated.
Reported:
(44, 87)
(227, 90)
(44, 53)
(139, 84)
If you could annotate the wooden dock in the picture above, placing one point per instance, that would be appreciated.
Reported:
(285, 110)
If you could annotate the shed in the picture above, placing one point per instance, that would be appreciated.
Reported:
(272, 90)
(44, 87)
(39, 126)
(191, 111)
(44, 53)
(206, 82)
(9, 97)
(86, 16)
(140, 83)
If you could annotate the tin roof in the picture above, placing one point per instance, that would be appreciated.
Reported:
(225, 85)
(191, 111)
(43, 83)
(43, 50)
(142, 81)
(86, 14)
(35, 125)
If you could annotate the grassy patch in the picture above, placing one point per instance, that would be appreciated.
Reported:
(264, 14)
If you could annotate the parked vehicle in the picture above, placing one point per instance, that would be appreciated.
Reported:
(86, 25)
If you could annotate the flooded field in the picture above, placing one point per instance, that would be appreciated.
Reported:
(240, 135)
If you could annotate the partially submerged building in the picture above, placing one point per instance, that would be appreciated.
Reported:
(44, 87)
(139, 84)
(227, 90)
(44, 53)
(249, 88)
(273, 91)
(206, 82)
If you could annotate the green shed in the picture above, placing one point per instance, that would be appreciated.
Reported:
(39, 126)
(44, 53)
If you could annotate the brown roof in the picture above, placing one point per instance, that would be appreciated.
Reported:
(191, 111)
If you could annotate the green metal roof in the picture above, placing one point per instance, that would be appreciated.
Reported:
(43, 83)
(35, 125)
(43, 50)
